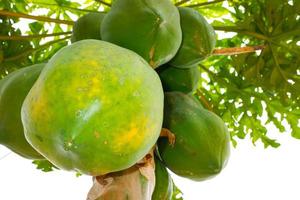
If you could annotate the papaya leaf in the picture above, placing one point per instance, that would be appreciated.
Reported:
(44, 165)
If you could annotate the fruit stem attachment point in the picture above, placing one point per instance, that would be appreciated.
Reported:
(167, 133)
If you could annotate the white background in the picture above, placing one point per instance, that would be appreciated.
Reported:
(252, 173)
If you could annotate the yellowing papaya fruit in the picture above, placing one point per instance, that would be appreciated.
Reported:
(96, 108)
(182, 80)
(202, 147)
(13, 90)
(198, 39)
(150, 28)
(88, 27)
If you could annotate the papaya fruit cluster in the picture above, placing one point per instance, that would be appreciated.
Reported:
(101, 104)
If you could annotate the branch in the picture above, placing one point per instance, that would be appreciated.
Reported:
(181, 2)
(28, 37)
(38, 18)
(29, 51)
(238, 50)
(103, 2)
(241, 31)
(61, 6)
(204, 100)
(205, 3)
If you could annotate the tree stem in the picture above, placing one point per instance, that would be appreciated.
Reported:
(238, 30)
(103, 2)
(38, 18)
(28, 37)
(237, 50)
(204, 100)
(205, 3)
(67, 7)
(29, 51)
(181, 2)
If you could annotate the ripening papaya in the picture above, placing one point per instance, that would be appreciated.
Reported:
(150, 28)
(96, 108)
(13, 90)
(182, 80)
(202, 147)
(198, 39)
(163, 182)
(88, 27)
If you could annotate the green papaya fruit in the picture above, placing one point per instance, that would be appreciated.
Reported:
(182, 80)
(88, 27)
(96, 108)
(202, 147)
(13, 90)
(150, 28)
(163, 189)
(198, 39)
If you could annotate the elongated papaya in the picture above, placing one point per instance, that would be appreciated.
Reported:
(150, 28)
(202, 143)
(88, 27)
(13, 90)
(182, 80)
(199, 39)
(163, 182)
(96, 108)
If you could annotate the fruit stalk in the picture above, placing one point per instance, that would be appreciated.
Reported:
(238, 50)
(29, 51)
(38, 18)
(103, 2)
(205, 4)
(28, 37)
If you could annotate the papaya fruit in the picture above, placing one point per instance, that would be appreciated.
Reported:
(96, 108)
(13, 90)
(150, 28)
(182, 80)
(202, 147)
(198, 39)
(88, 27)
(163, 189)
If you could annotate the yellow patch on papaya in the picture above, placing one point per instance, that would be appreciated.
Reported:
(136, 133)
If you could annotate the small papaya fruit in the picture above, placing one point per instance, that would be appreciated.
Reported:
(96, 108)
(182, 80)
(150, 28)
(13, 90)
(88, 27)
(163, 189)
(198, 39)
(202, 147)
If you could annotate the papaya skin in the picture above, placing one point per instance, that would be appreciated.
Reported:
(181, 80)
(150, 28)
(198, 39)
(96, 108)
(13, 90)
(88, 27)
(163, 182)
(202, 143)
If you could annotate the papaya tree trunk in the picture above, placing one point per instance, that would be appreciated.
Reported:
(135, 183)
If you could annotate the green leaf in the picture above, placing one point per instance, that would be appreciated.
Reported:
(44, 165)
